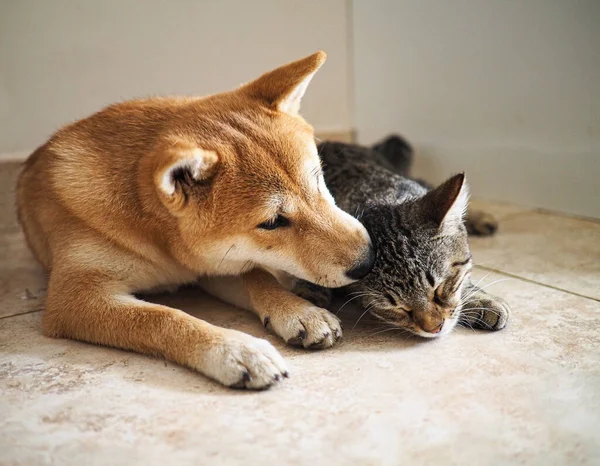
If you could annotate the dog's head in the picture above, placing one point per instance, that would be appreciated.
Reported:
(243, 178)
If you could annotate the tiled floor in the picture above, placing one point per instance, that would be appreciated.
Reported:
(527, 395)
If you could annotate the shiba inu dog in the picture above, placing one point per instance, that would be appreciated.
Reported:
(164, 191)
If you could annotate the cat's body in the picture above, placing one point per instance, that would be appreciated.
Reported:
(420, 280)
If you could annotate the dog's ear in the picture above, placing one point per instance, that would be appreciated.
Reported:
(181, 168)
(284, 87)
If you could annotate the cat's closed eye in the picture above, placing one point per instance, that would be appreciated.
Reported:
(391, 300)
(436, 297)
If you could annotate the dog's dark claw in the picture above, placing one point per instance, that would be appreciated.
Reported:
(266, 321)
(298, 339)
(286, 374)
(246, 377)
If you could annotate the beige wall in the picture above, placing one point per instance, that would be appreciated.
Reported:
(63, 59)
(507, 90)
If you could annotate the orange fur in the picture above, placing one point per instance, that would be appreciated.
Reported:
(158, 192)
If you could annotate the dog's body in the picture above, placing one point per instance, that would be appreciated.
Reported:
(153, 193)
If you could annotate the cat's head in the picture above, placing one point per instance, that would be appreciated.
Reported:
(423, 260)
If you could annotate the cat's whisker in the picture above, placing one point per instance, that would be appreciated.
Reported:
(495, 282)
(351, 299)
(361, 316)
(475, 290)
(466, 325)
(368, 308)
(476, 318)
(383, 331)
(484, 277)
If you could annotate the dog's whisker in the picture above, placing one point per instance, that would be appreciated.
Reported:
(226, 252)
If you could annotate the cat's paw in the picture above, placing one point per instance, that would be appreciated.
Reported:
(318, 295)
(481, 223)
(238, 360)
(308, 326)
(485, 312)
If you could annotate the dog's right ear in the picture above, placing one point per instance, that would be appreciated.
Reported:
(283, 88)
(181, 168)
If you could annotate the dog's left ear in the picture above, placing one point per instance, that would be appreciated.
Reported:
(179, 168)
(284, 87)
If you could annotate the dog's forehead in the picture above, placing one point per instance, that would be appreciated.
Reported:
(291, 156)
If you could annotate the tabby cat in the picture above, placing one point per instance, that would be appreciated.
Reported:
(420, 281)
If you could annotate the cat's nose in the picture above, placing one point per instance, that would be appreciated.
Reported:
(364, 266)
(437, 329)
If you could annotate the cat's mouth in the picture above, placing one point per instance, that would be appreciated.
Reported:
(442, 330)
(406, 322)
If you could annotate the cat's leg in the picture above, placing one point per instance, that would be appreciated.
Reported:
(316, 294)
(398, 152)
(482, 310)
(480, 223)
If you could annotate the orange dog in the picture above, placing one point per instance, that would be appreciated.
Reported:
(159, 192)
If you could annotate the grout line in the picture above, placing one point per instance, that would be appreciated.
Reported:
(21, 314)
(546, 212)
(528, 280)
(554, 213)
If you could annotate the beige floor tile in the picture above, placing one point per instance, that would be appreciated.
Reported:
(558, 251)
(500, 210)
(22, 281)
(525, 395)
(8, 177)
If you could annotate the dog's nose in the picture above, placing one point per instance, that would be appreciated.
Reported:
(364, 266)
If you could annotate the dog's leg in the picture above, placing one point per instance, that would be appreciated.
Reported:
(318, 295)
(294, 319)
(90, 306)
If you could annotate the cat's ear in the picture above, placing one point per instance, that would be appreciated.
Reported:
(447, 204)
(283, 88)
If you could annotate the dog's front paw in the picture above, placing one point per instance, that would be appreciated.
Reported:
(241, 361)
(308, 326)
(486, 312)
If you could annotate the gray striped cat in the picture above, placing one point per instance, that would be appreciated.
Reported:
(420, 281)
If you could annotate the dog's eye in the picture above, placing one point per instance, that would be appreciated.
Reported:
(277, 222)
